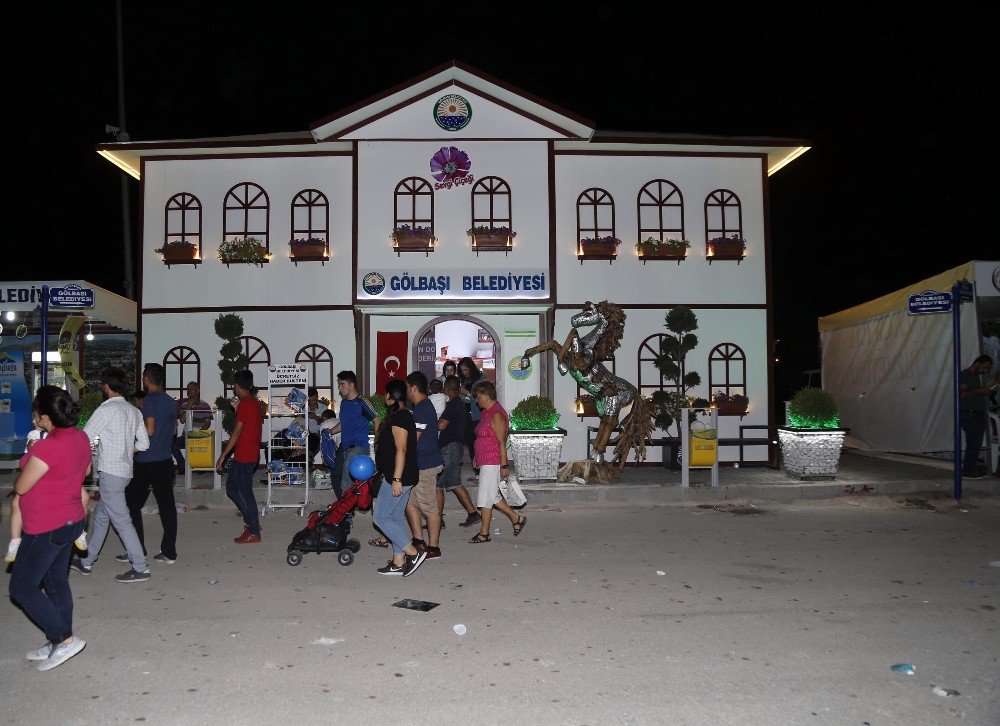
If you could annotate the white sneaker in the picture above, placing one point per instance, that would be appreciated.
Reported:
(12, 549)
(41, 653)
(81, 542)
(62, 653)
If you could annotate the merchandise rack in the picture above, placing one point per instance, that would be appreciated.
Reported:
(281, 380)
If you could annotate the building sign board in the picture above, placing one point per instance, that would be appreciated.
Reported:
(71, 296)
(930, 301)
(287, 374)
(497, 284)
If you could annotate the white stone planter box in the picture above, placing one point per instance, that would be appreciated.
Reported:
(811, 452)
(536, 453)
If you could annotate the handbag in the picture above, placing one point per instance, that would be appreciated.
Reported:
(510, 490)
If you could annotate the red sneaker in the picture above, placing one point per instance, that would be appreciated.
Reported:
(247, 538)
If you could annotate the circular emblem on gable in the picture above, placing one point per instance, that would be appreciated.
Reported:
(996, 278)
(452, 112)
(373, 283)
(517, 370)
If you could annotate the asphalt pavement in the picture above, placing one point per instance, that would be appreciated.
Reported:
(720, 614)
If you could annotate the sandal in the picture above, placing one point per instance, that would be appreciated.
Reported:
(480, 538)
(379, 542)
(519, 525)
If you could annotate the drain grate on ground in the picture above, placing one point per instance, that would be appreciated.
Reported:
(419, 605)
(734, 510)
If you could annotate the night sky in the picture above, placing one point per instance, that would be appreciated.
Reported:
(899, 185)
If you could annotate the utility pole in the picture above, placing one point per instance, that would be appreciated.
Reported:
(121, 135)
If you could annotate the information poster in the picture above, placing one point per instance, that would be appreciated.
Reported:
(15, 405)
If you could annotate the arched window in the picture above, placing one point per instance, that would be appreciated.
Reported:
(182, 220)
(181, 365)
(727, 370)
(259, 358)
(413, 203)
(650, 377)
(723, 215)
(595, 214)
(320, 363)
(491, 203)
(247, 213)
(311, 216)
(660, 211)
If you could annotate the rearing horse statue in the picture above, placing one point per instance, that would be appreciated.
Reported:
(583, 358)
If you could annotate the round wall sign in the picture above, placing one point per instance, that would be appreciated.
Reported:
(373, 283)
(452, 112)
(516, 371)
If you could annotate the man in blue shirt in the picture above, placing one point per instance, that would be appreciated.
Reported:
(423, 497)
(356, 420)
(154, 467)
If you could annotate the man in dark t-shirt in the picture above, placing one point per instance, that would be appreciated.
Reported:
(154, 467)
(974, 398)
(423, 498)
(451, 439)
(245, 445)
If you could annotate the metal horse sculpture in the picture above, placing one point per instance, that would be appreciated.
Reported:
(583, 358)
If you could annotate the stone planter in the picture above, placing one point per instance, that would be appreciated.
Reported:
(535, 454)
(811, 453)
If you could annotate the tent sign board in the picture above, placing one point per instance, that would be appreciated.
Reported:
(71, 296)
(930, 301)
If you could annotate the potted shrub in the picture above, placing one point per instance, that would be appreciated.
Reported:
(595, 246)
(727, 248)
(652, 248)
(535, 441)
(811, 443)
(311, 247)
(730, 404)
(413, 239)
(178, 251)
(491, 239)
(243, 249)
(681, 322)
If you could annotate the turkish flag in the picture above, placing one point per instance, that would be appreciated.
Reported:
(390, 362)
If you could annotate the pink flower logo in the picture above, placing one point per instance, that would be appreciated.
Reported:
(450, 163)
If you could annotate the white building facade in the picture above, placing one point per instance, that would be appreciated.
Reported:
(452, 150)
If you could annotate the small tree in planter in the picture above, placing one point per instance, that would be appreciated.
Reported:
(535, 442)
(811, 443)
(681, 340)
(231, 359)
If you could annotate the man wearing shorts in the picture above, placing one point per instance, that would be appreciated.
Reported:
(451, 439)
(423, 497)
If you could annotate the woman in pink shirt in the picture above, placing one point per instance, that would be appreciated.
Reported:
(491, 459)
(49, 488)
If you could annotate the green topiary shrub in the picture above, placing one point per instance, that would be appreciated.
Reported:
(534, 413)
(813, 408)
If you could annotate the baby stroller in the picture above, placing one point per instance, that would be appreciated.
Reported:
(327, 530)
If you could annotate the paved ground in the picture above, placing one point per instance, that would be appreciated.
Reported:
(787, 616)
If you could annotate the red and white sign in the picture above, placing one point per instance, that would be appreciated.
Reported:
(390, 359)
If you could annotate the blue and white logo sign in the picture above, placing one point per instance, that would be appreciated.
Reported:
(930, 301)
(71, 296)
(373, 283)
(479, 284)
(452, 112)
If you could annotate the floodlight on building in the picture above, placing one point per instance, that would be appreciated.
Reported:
(10, 316)
(90, 332)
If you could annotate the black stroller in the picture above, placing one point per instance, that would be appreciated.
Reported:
(327, 530)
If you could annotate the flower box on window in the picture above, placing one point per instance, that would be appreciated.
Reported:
(179, 252)
(726, 248)
(492, 239)
(598, 248)
(667, 249)
(243, 251)
(312, 249)
(730, 404)
(586, 406)
(413, 239)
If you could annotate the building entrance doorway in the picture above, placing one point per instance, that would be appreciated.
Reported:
(451, 339)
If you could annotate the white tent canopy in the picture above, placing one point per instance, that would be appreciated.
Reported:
(24, 296)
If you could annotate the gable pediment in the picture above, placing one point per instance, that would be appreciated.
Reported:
(455, 102)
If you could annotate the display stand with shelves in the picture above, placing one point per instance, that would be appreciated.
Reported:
(282, 379)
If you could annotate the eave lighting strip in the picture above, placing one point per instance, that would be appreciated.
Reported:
(121, 164)
(795, 154)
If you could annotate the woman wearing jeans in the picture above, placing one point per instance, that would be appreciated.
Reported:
(396, 454)
(52, 473)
